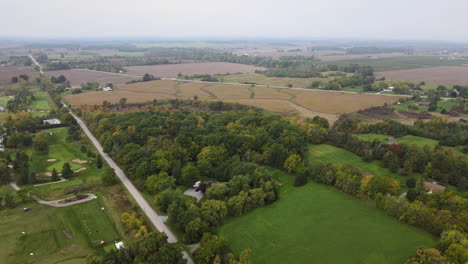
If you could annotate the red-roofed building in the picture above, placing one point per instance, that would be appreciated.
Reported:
(433, 186)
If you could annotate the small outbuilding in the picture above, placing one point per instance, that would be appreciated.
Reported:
(107, 89)
(119, 245)
(53, 121)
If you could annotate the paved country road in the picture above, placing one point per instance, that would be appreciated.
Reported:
(157, 220)
(37, 64)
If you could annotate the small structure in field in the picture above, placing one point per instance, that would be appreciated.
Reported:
(107, 89)
(433, 186)
(53, 121)
(119, 245)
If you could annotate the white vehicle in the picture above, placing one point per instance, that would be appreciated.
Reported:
(197, 184)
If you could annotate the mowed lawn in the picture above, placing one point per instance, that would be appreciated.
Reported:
(335, 155)
(317, 224)
(54, 234)
(63, 151)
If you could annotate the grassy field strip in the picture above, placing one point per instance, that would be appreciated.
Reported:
(283, 87)
(318, 224)
(111, 73)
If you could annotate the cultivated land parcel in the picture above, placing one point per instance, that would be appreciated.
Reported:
(317, 224)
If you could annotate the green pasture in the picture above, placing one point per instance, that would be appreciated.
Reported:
(318, 224)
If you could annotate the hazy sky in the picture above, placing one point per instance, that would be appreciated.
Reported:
(377, 19)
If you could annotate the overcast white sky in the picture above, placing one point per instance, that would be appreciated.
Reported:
(376, 19)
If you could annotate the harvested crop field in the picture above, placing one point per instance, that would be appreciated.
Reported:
(223, 91)
(77, 77)
(171, 70)
(338, 102)
(452, 75)
(7, 72)
(165, 87)
(96, 98)
(307, 103)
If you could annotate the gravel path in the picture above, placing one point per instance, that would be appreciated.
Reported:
(157, 220)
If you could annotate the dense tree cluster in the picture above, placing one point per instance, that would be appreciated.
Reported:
(150, 248)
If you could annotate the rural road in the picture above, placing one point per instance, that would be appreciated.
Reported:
(37, 64)
(157, 220)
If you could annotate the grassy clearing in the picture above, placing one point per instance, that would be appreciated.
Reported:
(372, 137)
(42, 101)
(54, 234)
(63, 151)
(4, 100)
(335, 155)
(274, 81)
(400, 63)
(317, 224)
(420, 141)
(405, 107)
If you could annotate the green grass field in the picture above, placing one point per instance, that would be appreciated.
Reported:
(404, 107)
(334, 155)
(42, 101)
(399, 63)
(372, 137)
(63, 151)
(420, 141)
(317, 224)
(123, 54)
(54, 234)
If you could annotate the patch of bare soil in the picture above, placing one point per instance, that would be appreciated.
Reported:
(79, 170)
(79, 161)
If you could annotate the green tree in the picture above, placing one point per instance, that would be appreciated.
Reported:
(55, 176)
(99, 162)
(210, 247)
(214, 155)
(190, 174)
(159, 182)
(391, 161)
(457, 253)
(294, 164)
(213, 212)
(67, 172)
(109, 177)
(10, 201)
(427, 256)
(194, 230)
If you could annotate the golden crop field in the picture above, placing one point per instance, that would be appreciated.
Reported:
(306, 103)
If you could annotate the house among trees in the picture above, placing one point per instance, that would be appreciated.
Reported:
(107, 89)
(432, 186)
(53, 121)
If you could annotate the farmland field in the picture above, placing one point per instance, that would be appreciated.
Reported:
(317, 224)
(401, 63)
(307, 102)
(336, 102)
(451, 75)
(7, 72)
(77, 77)
(171, 70)
(274, 81)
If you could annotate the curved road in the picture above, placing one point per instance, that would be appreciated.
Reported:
(56, 203)
(157, 220)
